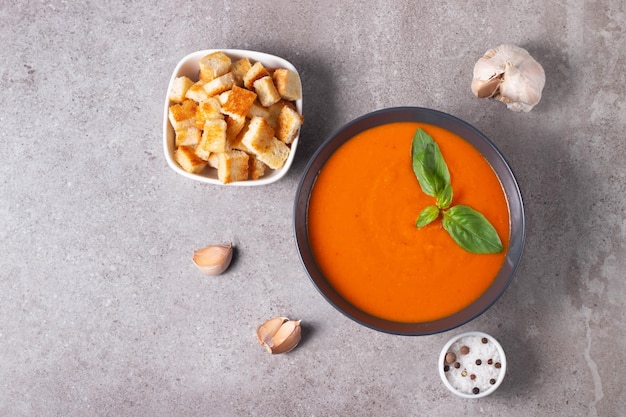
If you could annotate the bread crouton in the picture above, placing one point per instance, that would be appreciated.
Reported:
(197, 92)
(234, 125)
(202, 153)
(220, 84)
(239, 69)
(214, 136)
(288, 125)
(288, 84)
(214, 65)
(259, 138)
(256, 168)
(223, 97)
(236, 142)
(232, 166)
(189, 136)
(258, 110)
(266, 90)
(183, 115)
(179, 88)
(254, 73)
(188, 160)
(213, 160)
(275, 110)
(238, 102)
(207, 110)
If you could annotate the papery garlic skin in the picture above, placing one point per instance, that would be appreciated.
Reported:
(511, 75)
(213, 260)
(279, 335)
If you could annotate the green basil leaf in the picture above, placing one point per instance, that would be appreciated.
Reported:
(427, 216)
(428, 164)
(471, 230)
(444, 199)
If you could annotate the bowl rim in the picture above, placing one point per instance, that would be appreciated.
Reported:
(493, 156)
(183, 68)
(445, 349)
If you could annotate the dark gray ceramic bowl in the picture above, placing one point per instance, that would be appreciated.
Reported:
(480, 142)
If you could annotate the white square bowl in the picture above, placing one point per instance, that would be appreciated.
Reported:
(189, 66)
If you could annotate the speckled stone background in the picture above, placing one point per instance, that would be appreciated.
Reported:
(102, 312)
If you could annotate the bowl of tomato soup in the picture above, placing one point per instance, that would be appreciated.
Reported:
(355, 223)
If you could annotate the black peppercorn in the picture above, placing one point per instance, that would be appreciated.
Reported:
(484, 340)
(492, 381)
(475, 390)
(490, 361)
(446, 368)
(478, 361)
(498, 365)
(457, 365)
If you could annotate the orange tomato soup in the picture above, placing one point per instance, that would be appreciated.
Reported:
(361, 221)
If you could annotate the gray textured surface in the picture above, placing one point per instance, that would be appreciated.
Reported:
(101, 310)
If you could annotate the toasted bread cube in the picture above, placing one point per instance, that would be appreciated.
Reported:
(214, 65)
(189, 136)
(254, 73)
(238, 102)
(207, 110)
(239, 69)
(213, 160)
(234, 126)
(288, 84)
(214, 136)
(256, 168)
(183, 115)
(179, 88)
(257, 129)
(275, 110)
(288, 126)
(236, 143)
(259, 138)
(188, 160)
(202, 153)
(197, 92)
(232, 166)
(266, 91)
(223, 98)
(258, 110)
(220, 84)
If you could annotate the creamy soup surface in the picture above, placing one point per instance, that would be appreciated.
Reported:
(361, 220)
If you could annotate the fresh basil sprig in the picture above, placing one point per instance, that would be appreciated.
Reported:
(467, 227)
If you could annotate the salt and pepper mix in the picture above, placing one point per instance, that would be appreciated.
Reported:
(472, 364)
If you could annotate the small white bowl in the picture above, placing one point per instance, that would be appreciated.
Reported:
(189, 66)
(488, 375)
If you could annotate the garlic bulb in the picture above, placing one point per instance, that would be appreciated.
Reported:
(279, 335)
(213, 260)
(508, 73)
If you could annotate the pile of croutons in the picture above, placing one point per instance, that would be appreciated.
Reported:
(239, 117)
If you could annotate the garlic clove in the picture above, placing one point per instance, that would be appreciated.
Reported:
(287, 337)
(267, 330)
(213, 260)
(511, 75)
(486, 89)
(279, 335)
